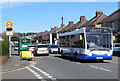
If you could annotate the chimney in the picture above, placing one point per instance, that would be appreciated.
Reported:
(55, 27)
(46, 31)
(52, 29)
(62, 25)
(82, 18)
(99, 12)
(71, 22)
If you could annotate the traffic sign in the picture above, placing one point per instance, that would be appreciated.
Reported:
(9, 28)
(9, 24)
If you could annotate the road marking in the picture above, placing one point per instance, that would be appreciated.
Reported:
(35, 73)
(18, 68)
(100, 68)
(44, 73)
(110, 61)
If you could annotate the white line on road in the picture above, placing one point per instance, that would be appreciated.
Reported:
(44, 73)
(100, 68)
(35, 73)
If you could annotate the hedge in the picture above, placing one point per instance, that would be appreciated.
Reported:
(5, 48)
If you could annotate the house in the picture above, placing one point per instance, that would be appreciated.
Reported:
(113, 21)
(99, 16)
(82, 21)
(65, 29)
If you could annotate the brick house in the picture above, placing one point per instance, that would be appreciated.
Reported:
(113, 21)
(82, 21)
(99, 16)
(65, 29)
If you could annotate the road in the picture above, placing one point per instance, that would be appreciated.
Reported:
(56, 67)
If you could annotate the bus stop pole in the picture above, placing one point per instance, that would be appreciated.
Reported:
(9, 46)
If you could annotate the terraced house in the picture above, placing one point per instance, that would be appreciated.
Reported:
(113, 21)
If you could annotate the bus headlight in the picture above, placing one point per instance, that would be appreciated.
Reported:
(109, 53)
(89, 53)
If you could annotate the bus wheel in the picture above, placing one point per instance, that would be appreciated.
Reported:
(62, 54)
(75, 57)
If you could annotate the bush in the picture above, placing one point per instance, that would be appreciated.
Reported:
(5, 47)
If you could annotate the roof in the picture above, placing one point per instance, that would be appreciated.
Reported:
(53, 30)
(113, 16)
(99, 16)
(59, 29)
(72, 33)
(68, 26)
(78, 24)
(42, 33)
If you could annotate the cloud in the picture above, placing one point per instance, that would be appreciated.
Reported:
(4, 1)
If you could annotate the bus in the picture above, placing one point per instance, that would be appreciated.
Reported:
(88, 43)
(23, 43)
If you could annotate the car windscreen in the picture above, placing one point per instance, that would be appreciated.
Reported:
(31, 46)
(63, 46)
(42, 46)
(54, 46)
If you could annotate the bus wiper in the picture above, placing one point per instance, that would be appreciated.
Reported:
(99, 49)
(93, 49)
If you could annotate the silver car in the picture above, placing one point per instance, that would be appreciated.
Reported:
(53, 48)
(31, 47)
(42, 50)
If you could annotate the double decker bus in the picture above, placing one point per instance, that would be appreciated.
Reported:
(88, 43)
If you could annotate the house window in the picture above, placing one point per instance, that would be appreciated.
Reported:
(113, 25)
(118, 25)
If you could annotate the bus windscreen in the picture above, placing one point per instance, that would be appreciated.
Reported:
(25, 41)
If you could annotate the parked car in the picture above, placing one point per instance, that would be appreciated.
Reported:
(16, 46)
(61, 48)
(116, 49)
(42, 50)
(31, 48)
(53, 48)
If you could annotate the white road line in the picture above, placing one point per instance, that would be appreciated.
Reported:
(35, 73)
(44, 73)
(100, 68)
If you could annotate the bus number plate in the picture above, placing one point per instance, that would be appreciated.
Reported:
(24, 45)
(99, 57)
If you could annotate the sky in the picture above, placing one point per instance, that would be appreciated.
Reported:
(39, 16)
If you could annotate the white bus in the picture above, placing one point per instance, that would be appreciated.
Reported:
(88, 43)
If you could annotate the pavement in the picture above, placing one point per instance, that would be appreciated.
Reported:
(14, 63)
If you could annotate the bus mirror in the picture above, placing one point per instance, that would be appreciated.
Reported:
(81, 38)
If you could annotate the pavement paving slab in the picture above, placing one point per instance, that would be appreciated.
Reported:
(14, 63)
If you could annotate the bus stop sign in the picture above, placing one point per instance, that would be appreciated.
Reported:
(9, 28)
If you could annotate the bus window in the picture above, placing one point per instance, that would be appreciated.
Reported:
(79, 43)
(25, 41)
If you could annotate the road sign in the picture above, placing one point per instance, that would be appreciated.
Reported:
(9, 28)
(9, 24)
